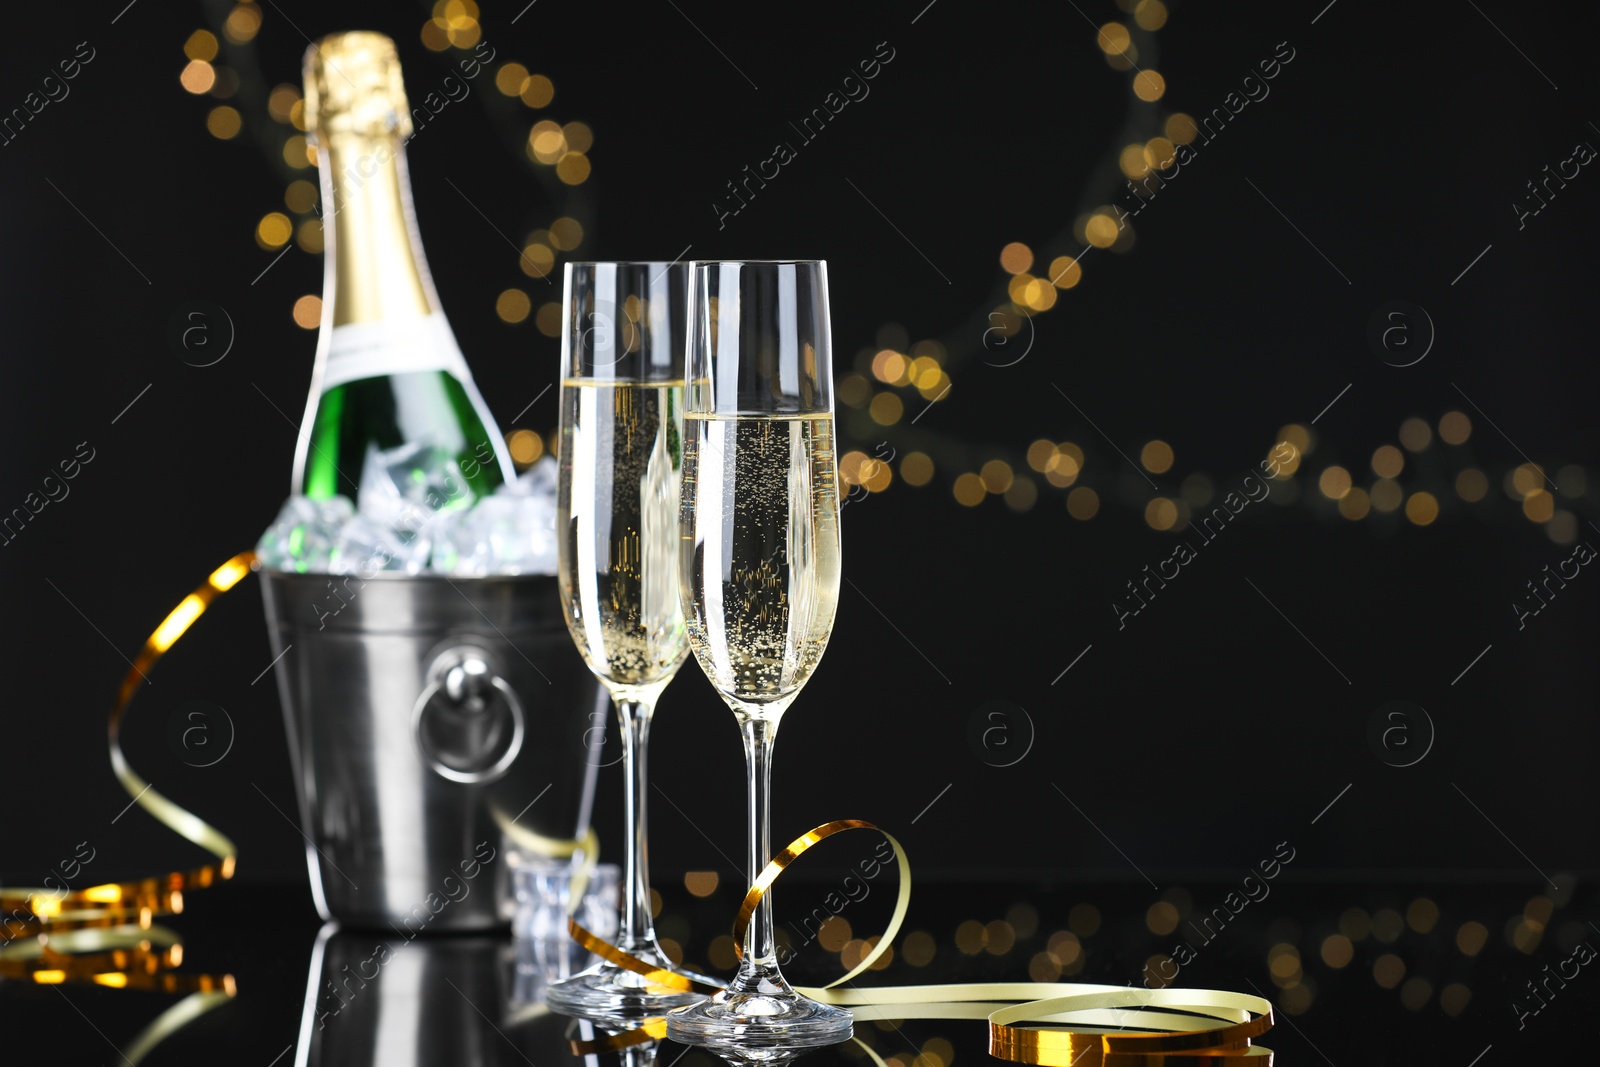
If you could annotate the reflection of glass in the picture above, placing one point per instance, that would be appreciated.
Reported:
(617, 536)
(392, 1002)
(543, 889)
(760, 565)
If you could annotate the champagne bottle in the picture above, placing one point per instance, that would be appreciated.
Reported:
(388, 370)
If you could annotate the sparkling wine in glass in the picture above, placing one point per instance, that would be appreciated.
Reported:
(617, 531)
(759, 563)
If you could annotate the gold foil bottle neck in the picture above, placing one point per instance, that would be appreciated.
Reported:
(353, 85)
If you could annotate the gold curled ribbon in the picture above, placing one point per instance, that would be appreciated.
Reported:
(1049, 1024)
(798, 847)
(646, 1032)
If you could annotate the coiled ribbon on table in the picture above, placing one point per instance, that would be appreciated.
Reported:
(1051, 1024)
(105, 934)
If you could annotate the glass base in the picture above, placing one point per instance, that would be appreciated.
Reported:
(769, 1017)
(605, 991)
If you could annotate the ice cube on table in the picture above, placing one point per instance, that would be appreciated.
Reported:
(507, 533)
(404, 487)
(366, 546)
(303, 536)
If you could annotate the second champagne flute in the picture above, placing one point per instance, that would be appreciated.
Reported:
(617, 534)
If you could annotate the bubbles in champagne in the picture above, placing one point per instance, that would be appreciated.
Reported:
(617, 527)
(761, 519)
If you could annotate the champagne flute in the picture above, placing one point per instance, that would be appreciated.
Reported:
(616, 528)
(760, 570)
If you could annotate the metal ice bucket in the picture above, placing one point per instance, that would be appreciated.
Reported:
(433, 722)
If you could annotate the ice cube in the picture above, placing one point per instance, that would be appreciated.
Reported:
(305, 533)
(366, 546)
(507, 533)
(537, 480)
(404, 487)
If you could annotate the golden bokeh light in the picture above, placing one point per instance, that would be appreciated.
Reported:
(1016, 257)
(1416, 993)
(1387, 461)
(1387, 494)
(1039, 454)
(1149, 86)
(1150, 14)
(1471, 937)
(308, 235)
(925, 372)
(243, 23)
(1472, 485)
(701, 883)
(1453, 999)
(969, 490)
(996, 476)
(281, 100)
(1113, 38)
(1388, 970)
(201, 45)
(301, 196)
(1539, 506)
(308, 311)
(274, 230)
(1022, 495)
(548, 319)
(573, 168)
(1180, 128)
(1156, 457)
(566, 233)
(580, 138)
(1299, 436)
(296, 152)
(916, 469)
(1100, 230)
(1416, 435)
(850, 467)
(546, 142)
(512, 306)
(1065, 272)
(1422, 915)
(1161, 153)
(538, 91)
(1083, 503)
(1161, 513)
(1337, 951)
(886, 409)
(510, 78)
(1526, 479)
(1422, 508)
(917, 949)
(526, 447)
(1161, 918)
(224, 123)
(536, 260)
(197, 76)
(1334, 483)
(1133, 162)
(1355, 504)
(1455, 428)
(854, 391)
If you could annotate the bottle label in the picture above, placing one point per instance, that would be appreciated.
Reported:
(376, 349)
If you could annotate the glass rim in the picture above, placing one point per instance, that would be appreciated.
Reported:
(626, 262)
(758, 262)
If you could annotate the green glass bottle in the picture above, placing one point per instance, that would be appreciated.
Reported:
(389, 373)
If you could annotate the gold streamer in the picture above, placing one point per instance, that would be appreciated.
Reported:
(1049, 1024)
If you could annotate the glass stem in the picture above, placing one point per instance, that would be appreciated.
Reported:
(760, 965)
(637, 929)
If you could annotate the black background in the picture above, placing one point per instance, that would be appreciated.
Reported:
(1207, 731)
